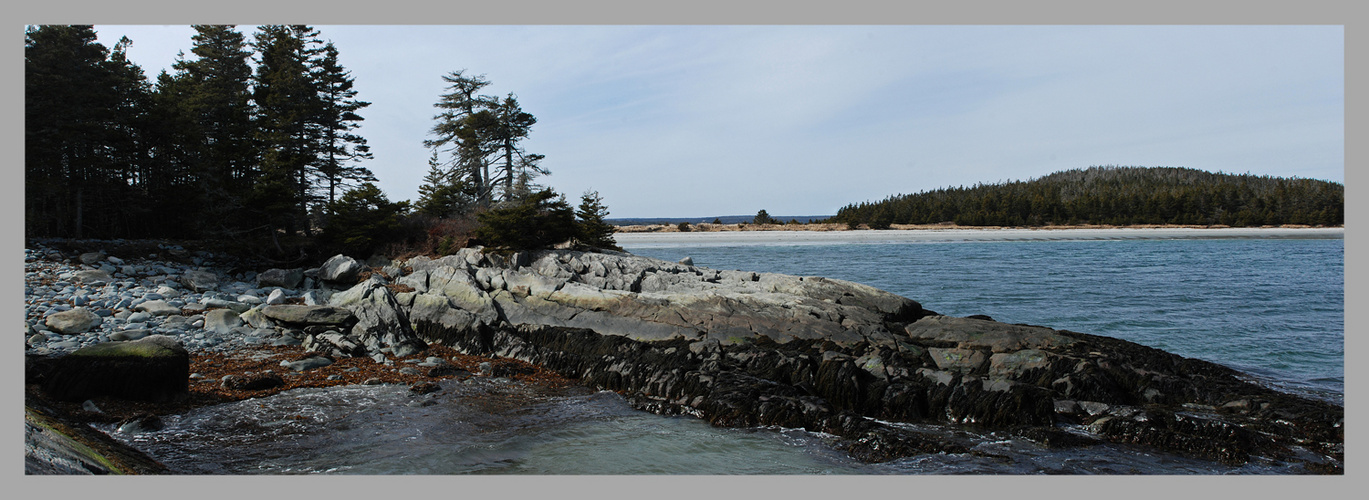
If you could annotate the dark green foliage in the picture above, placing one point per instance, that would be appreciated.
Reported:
(287, 103)
(764, 218)
(477, 132)
(1116, 196)
(363, 220)
(717, 221)
(683, 227)
(205, 114)
(441, 195)
(540, 221)
(591, 228)
(85, 117)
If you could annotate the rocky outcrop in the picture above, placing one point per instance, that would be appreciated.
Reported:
(743, 349)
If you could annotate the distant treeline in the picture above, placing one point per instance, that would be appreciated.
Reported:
(1115, 196)
(721, 219)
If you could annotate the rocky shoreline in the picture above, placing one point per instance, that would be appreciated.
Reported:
(733, 348)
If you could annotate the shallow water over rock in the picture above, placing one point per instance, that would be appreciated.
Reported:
(498, 426)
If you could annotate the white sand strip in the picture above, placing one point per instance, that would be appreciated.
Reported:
(737, 238)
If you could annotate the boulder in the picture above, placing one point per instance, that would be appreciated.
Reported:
(307, 315)
(335, 344)
(284, 278)
(200, 281)
(76, 320)
(93, 276)
(340, 269)
(256, 319)
(133, 334)
(92, 258)
(157, 308)
(308, 363)
(277, 296)
(155, 368)
(381, 321)
(222, 321)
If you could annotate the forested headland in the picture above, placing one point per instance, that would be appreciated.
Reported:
(1118, 196)
(252, 143)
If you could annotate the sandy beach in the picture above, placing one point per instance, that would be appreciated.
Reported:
(732, 238)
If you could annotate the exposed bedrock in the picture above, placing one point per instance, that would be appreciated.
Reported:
(742, 349)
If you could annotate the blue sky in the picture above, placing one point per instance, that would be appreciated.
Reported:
(695, 121)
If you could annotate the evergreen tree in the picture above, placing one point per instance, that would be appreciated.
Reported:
(288, 104)
(85, 107)
(511, 126)
(764, 218)
(338, 118)
(210, 99)
(441, 196)
(540, 221)
(593, 231)
(463, 113)
(363, 220)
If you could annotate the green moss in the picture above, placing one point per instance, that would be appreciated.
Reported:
(124, 349)
(75, 445)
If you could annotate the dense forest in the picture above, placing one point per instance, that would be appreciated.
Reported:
(1115, 196)
(254, 143)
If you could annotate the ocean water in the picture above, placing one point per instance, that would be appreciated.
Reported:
(1273, 308)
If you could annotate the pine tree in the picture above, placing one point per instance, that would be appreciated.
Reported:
(593, 231)
(762, 217)
(362, 220)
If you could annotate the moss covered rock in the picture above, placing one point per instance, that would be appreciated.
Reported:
(154, 368)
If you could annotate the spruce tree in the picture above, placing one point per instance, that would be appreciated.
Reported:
(210, 98)
(338, 119)
(592, 230)
(288, 104)
(440, 196)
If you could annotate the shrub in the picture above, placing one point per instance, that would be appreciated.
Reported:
(683, 227)
(362, 220)
(539, 221)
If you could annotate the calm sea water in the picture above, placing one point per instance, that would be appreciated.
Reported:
(1271, 307)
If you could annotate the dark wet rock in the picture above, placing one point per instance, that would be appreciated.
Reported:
(252, 382)
(424, 388)
(284, 278)
(154, 368)
(142, 422)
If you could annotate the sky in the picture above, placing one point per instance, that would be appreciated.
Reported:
(708, 120)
